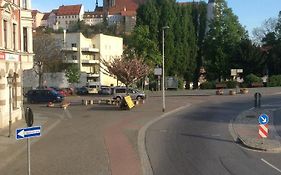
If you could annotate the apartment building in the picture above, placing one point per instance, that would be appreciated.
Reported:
(69, 14)
(16, 55)
(87, 53)
(37, 17)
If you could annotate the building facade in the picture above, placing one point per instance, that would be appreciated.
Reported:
(16, 55)
(122, 13)
(69, 14)
(37, 18)
(87, 54)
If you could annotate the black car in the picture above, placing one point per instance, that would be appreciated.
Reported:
(82, 91)
(43, 95)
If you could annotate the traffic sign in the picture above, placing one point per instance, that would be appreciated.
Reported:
(23, 133)
(263, 119)
(263, 131)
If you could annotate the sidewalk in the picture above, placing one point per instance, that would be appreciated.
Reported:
(246, 130)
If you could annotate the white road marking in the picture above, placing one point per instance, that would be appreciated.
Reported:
(272, 166)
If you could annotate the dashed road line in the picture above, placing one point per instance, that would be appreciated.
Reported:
(272, 166)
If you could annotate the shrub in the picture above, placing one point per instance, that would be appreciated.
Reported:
(208, 85)
(231, 84)
(181, 83)
(252, 78)
(274, 81)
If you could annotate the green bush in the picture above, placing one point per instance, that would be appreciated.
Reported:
(274, 81)
(252, 78)
(231, 84)
(208, 85)
(180, 83)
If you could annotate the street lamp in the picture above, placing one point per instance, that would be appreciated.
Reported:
(163, 65)
(10, 81)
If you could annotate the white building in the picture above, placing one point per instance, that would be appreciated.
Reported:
(87, 53)
(69, 14)
(16, 55)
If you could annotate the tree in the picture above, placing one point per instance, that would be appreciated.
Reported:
(250, 58)
(224, 35)
(73, 74)
(48, 55)
(128, 71)
(140, 45)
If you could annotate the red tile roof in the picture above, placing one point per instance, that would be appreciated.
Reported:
(125, 5)
(69, 10)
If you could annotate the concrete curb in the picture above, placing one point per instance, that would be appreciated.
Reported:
(145, 161)
(239, 139)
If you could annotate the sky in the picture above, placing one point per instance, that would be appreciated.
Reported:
(251, 13)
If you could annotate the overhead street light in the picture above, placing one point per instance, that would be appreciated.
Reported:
(163, 66)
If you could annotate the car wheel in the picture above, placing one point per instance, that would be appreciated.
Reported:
(139, 98)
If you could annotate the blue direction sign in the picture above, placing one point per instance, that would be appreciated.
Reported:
(263, 119)
(23, 133)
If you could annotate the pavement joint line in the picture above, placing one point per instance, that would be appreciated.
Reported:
(272, 166)
(32, 141)
(145, 161)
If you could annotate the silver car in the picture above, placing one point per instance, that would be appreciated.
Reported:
(120, 92)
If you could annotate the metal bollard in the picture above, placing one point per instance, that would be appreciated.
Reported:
(257, 100)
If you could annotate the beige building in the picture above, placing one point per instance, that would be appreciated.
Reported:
(87, 53)
(37, 18)
(69, 14)
(16, 55)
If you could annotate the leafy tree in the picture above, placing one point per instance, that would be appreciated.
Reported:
(199, 15)
(47, 56)
(73, 74)
(271, 44)
(140, 45)
(224, 35)
(249, 57)
(128, 71)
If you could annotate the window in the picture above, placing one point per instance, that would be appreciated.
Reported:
(25, 49)
(66, 22)
(14, 36)
(24, 4)
(74, 57)
(5, 34)
(73, 45)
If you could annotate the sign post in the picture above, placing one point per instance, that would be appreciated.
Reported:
(263, 127)
(29, 132)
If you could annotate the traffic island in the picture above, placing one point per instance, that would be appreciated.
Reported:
(246, 132)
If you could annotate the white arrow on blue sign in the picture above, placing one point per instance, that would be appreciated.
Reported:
(23, 133)
(263, 119)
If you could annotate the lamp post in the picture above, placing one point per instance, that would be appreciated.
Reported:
(163, 66)
(10, 81)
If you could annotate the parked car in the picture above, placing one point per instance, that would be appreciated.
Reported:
(82, 91)
(68, 91)
(106, 90)
(43, 95)
(60, 91)
(120, 92)
(93, 87)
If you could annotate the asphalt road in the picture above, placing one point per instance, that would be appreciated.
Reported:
(197, 141)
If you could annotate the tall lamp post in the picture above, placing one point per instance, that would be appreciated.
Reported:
(163, 65)
(10, 81)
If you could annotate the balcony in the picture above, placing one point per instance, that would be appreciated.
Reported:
(72, 49)
(90, 61)
(89, 49)
(93, 75)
